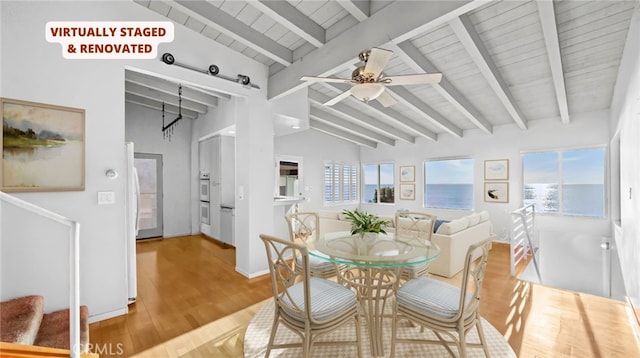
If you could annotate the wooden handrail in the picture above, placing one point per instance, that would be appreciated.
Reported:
(74, 265)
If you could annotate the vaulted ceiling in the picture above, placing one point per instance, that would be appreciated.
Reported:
(502, 61)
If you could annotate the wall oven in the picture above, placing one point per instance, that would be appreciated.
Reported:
(204, 198)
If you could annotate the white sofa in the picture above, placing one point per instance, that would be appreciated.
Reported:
(453, 237)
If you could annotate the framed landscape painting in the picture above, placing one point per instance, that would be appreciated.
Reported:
(496, 169)
(42, 147)
(407, 191)
(408, 173)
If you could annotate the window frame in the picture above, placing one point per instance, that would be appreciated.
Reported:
(473, 182)
(561, 151)
(340, 184)
(363, 181)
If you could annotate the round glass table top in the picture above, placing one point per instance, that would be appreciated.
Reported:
(382, 250)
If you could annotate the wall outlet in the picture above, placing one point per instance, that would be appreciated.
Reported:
(106, 197)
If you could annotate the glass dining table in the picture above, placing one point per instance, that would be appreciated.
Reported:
(371, 265)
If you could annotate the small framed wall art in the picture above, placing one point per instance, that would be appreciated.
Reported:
(407, 191)
(42, 147)
(496, 169)
(408, 173)
(496, 192)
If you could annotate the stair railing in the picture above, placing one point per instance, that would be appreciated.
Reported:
(74, 264)
(522, 222)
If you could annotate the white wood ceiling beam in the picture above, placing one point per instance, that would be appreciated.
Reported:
(550, 33)
(163, 97)
(294, 20)
(345, 110)
(236, 29)
(157, 105)
(394, 116)
(468, 36)
(397, 22)
(359, 9)
(342, 123)
(153, 80)
(403, 95)
(172, 88)
(416, 60)
(342, 134)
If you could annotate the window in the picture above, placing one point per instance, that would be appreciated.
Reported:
(379, 183)
(566, 182)
(448, 184)
(340, 183)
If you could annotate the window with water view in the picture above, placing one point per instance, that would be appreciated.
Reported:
(566, 182)
(448, 184)
(379, 183)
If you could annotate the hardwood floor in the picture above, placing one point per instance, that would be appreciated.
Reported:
(190, 282)
(183, 283)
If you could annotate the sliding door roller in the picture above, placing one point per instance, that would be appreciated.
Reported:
(213, 70)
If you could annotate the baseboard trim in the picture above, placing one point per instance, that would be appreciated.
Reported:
(107, 315)
(251, 275)
(634, 319)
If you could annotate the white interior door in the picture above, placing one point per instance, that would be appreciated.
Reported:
(149, 167)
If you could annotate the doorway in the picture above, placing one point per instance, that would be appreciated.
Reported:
(149, 167)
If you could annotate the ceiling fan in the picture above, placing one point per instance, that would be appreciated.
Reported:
(368, 81)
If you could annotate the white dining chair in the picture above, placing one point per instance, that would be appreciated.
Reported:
(444, 308)
(311, 306)
(415, 226)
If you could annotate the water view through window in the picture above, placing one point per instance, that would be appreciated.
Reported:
(570, 182)
(379, 183)
(449, 184)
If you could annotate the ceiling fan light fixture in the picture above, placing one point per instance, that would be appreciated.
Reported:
(367, 91)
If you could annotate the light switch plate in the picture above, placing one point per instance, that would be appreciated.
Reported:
(106, 197)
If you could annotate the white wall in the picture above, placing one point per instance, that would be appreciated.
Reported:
(143, 128)
(315, 148)
(507, 142)
(34, 70)
(625, 118)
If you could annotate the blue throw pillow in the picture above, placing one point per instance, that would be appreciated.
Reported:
(437, 224)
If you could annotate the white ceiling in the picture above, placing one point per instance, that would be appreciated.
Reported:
(502, 61)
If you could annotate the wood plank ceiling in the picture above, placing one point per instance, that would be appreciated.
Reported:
(503, 62)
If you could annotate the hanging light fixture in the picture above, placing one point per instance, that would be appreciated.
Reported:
(167, 129)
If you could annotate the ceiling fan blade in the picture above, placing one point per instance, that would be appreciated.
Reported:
(419, 79)
(338, 98)
(386, 99)
(325, 79)
(378, 58)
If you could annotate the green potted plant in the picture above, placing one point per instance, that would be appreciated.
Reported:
(363, 222)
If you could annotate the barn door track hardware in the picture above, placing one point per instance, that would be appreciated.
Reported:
(213, 70)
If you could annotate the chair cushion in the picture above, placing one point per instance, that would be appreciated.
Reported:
(415, 268)
(316, 264)
(431, 297)
(328, 298)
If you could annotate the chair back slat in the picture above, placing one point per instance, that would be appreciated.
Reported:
(473, 277)
(415, 225)
(303, 225)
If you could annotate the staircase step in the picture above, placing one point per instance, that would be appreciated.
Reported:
(54, 330)
(20, 319)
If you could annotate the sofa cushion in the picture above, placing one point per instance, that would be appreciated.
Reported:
(453, 226)
(436, 226)
(484, 215)
(474, 219)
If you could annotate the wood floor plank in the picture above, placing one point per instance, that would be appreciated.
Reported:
(192, 303)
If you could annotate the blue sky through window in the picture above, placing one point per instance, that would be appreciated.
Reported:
(459, 171)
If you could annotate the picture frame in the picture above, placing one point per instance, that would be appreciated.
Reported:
(407, 191)
(496, 192)
(43, 147)
(408, 173)
(496, 169)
